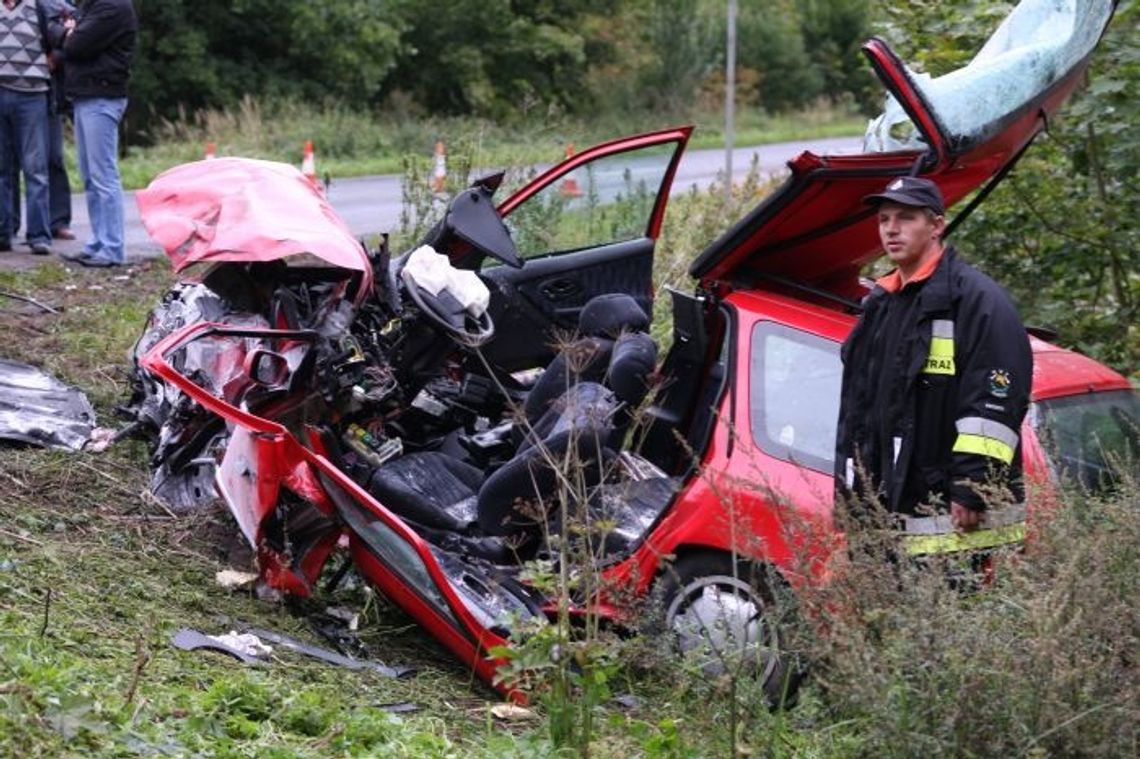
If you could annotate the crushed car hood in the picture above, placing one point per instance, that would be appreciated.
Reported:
(961, 130)
(240, 209)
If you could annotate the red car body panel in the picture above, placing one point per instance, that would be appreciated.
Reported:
(774, 511)
(186, 212)
(263, 457)
(229, 209)
(816, 229)
(1058, 372)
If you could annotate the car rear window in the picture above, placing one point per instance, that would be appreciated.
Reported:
(1091, 439)
(1037, 44)
(794, 395)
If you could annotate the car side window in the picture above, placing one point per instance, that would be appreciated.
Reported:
(794, 390)
(608, 200)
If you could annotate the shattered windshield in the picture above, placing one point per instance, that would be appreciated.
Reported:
(1036, 46)
(1092, 440)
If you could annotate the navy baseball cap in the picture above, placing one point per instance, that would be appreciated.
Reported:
(910, 191)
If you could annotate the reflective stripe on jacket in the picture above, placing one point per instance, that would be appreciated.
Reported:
(935, 387)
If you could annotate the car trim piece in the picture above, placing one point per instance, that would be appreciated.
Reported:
(892, 72)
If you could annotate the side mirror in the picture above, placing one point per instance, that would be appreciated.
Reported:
(267, 368)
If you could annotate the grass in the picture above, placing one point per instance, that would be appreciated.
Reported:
(352, 143)
(95, 577)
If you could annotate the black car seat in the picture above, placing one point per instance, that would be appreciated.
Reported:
(565, 451)
(429, 489)
(695, 372)
(602, 320)
(630, 374)
(584, 426)
(570, 417)
(434, 490)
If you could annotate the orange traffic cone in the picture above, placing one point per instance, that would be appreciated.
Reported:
(308, 163)
(439, 171)
(211, 151)
(569, 187)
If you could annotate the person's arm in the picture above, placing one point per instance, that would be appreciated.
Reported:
(52, 14)
(995, 371)
(96, 29)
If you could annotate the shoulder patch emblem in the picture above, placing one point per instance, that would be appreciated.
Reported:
(1000, 383)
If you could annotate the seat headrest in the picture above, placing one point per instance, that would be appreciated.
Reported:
(633, 359)
(610, 314)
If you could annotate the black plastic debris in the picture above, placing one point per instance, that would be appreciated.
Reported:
(37, 409)
(330, 656)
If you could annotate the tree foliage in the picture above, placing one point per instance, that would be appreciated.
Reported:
(492, 58)
(210, 53)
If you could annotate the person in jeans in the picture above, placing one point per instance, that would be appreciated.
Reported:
(24, 83)
(59, 184)
(99, 47)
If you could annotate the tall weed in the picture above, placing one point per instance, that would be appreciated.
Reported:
(1045, 661)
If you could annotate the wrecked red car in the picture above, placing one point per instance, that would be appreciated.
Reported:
(444, 413)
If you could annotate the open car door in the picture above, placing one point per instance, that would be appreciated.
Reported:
(961, 130)
(585, 227)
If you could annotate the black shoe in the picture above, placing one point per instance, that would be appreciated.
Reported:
(5, 245)
(94, 262)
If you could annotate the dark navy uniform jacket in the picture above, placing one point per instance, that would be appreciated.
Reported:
(936, 382)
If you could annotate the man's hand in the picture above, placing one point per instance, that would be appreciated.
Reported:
(965, 518)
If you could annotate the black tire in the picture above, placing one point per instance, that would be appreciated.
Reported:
(723, 617)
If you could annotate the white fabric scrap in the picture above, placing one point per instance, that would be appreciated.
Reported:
(232, 578)
(247, 643)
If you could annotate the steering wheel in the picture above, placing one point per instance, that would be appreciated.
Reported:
(475, 330)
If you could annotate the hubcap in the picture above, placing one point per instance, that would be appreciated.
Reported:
(719, 624)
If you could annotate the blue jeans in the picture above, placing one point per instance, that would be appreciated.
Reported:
(97, 140)
(24, 132)
(59, 187)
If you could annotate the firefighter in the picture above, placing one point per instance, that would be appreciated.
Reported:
(936, 378)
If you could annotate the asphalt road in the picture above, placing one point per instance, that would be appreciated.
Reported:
(372, 204)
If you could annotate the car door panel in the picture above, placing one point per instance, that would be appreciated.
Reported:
(585, 227)
(543, 299)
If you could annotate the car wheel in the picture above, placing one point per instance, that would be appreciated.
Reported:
(723, 618)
